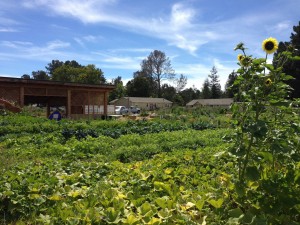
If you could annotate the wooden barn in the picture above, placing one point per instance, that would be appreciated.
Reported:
(79, 100)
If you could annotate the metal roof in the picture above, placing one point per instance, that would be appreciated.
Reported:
(145, 100)
(219, 101)
(13, 80)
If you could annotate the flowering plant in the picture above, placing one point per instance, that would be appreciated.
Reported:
(266, 140)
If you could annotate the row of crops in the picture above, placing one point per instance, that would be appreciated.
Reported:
(152, 172)
(112, 129)
(118, 172)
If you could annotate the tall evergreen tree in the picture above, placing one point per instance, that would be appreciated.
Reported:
(229, 89)
(214, 82)
(291, 67)
(205, 91)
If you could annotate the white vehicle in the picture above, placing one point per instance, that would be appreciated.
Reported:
(121, 110)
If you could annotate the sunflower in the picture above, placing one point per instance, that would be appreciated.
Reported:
(244, 60)
(240, 57)
(270, 45)
(268, 82)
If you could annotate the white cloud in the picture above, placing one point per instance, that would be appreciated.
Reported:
(8, 25)
(181, 42)
(198, 72)
(3, 29)
(182, 26)
(91, 38)
(79, 41)
(177, 28)
(283, 26)
(87, 39)
(27, 50)
(60, 50)
(9, 75)
(132, 50)
(89, 11)
(15, 44)
(57, 44)
(59, 27)
(181, 16)
(117, 62)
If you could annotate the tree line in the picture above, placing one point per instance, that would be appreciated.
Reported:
(156, 69)
(149, 81)
(69, 71)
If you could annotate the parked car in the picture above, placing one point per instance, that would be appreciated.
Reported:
(134, 110)
(121, 110)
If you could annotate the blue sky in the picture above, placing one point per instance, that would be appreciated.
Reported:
(116, 35)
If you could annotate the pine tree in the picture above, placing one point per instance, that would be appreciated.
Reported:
(292, 67)
(214, 82)
(205, 91)
(229, 90)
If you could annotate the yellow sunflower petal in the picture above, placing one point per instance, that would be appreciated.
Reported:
(240, 57)
(270, 45)
(268, 82)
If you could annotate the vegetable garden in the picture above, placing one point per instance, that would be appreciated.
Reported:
(102, 172)
(116, 172)
(202, 167)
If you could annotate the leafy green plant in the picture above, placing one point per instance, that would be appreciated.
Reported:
(154, 173)
(266, 141)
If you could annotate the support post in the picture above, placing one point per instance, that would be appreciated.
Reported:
(88, 104)
(69, 103)
(21, 98)
(105, 103)
(48, 109)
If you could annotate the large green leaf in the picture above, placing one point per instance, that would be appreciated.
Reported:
(163, 186)
(235, 213)
(252, 173)
(164, 213)
(112, 215)
(131, 219)
(200, 204)
(162, 202)
(145, 208)
(216, 203)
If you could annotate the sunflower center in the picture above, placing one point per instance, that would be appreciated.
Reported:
(269, 45)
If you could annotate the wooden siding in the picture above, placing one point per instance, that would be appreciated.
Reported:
(74, 96)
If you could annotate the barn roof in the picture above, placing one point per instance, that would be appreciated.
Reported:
(22, 81)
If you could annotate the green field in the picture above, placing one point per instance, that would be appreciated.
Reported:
(175, 170)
